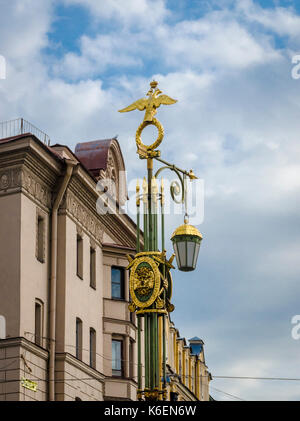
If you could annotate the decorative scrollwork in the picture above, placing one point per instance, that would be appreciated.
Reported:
(176, 188)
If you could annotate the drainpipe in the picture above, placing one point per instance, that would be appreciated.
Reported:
(52, 314)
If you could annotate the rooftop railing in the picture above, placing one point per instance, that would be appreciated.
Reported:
(20, 126)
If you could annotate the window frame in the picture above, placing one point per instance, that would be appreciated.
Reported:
(93, 348)
(131, 353)
(122, 283)
(38, 321)
(118, 372)
(78, 340)
(40, 237)
(79, 256)
(93, 260)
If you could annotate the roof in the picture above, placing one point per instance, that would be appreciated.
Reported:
(94, 155)
(196, 345)
(195, 338)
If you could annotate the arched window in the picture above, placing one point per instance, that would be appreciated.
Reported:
(40, 238)
(38, 322)
(179, 364)
(92, 267)
(78, 338)
(79, 256)
(92, 347)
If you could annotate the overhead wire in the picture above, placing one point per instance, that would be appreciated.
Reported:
(226, 393)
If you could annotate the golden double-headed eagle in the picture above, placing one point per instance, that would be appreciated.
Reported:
(150, 104)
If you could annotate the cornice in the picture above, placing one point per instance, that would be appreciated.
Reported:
(24, 170)
(82, 215)
(116, 379)
(119, 321)
(80, 184)
(184, 390)
(83, 198)
(27, 151)
(22, 180)
(26, 344)
(70, 359)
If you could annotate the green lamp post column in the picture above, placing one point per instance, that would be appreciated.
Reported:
(150, 279)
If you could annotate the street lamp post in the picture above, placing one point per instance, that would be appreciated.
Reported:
(150, 278)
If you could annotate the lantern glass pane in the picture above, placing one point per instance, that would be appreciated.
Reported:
(190, 253)
(197, 248)
(181, 247)
(176, 253)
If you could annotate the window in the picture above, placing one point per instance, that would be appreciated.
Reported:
(40, 239)
(173, 396)
(179, 364)
(192, 378)
(38, 328)
(79, 257)
(131, 359)
(92, 267)
(92, 348)
(117, 366)
(78, 338)
(117, 283)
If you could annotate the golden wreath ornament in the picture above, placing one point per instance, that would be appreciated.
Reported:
(149, 104)
(140, 145)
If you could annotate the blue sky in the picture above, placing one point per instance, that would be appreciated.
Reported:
(71, 64)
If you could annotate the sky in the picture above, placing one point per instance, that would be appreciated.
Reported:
(71, 64)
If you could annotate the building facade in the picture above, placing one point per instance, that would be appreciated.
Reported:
(187, 374)
(65, 329)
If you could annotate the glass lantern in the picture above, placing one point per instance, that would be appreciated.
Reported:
(186, 242)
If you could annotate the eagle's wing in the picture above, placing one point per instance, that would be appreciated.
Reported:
(140, 104)
(164, 99)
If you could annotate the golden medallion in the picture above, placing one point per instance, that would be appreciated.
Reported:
(144, 282)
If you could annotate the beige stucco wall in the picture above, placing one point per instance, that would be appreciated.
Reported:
(10, 223)
(20, 358)
(76, 298)
(75, 380)
(34, 275)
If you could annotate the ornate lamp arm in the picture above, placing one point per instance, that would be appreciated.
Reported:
(175, 188)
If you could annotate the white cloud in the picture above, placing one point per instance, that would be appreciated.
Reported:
(281, 20)
(140, 13)
(97, 55)
(216, 41)
(288, 178)
(23, 29)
